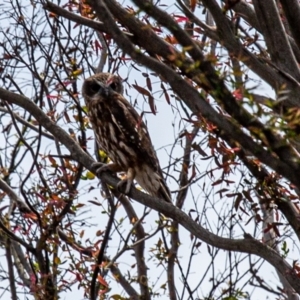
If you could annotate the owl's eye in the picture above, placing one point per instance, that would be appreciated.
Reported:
(94, 88)
(113, 86)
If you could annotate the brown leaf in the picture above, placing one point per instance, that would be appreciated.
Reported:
(193, 175)
(149, 85)
(217, 182)
(142, 90)
(152, 104)
(222, 191)
(197, 147)
(165, 93)
(247, 196)
(67, 117)
(238, 201)
(249, 220)
(94, 202)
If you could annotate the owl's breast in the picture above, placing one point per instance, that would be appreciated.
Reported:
(109, 136)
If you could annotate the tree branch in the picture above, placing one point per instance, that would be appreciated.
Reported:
(114, 270)
(197, 104)
(273, 31)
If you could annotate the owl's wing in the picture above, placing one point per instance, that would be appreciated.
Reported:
(133, 129)
(133, 135)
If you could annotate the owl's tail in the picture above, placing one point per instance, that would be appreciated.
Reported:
(164, 192)
(153, 182)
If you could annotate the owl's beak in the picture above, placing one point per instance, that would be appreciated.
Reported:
(103, 89)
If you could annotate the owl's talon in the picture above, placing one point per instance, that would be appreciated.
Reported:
(100, 167)
(121, 184)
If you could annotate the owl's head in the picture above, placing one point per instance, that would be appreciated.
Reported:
(101, 85)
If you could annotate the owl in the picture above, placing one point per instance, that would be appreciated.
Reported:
(122, 134)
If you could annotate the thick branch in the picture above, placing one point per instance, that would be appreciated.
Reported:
(246, 11)
(246, 245)
(292, 12)
(273, 31)
(198, 104)
(12, 282)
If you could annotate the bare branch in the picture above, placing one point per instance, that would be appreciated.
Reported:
(13, 196)
(113, 268)
(27, 124)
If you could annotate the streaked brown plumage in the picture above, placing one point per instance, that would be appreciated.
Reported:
(122, 134)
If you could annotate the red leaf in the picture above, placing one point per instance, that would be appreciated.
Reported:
(102, 281)
(7, 56)
(268, 228)
(171, 39)
(44, 199)
(237, 94)
(52, 161)
(276, 229)
(97, 46)
(78, 277)
(31, 216)
(193, 5)
(179, 19)
(52, 96)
